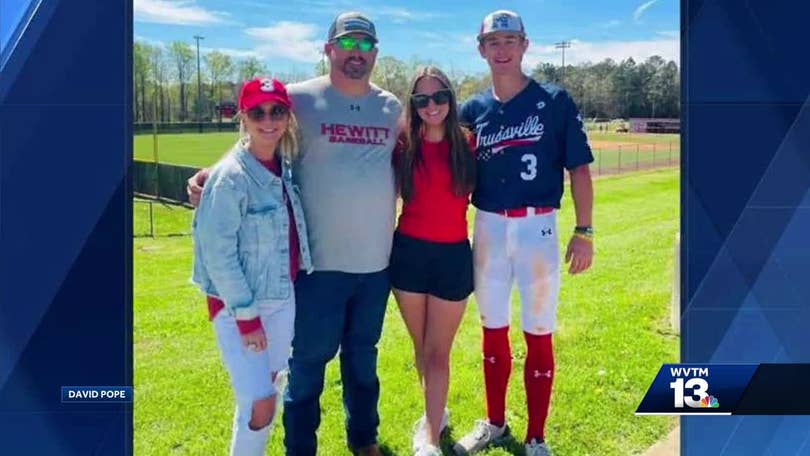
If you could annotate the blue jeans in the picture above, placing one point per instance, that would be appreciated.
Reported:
(335, 309)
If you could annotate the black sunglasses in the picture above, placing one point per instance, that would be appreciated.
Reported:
(440, 97)
(277, 112)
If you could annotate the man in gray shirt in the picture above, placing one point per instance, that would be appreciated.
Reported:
(348, 131)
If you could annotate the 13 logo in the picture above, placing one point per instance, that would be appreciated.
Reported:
(694, 392)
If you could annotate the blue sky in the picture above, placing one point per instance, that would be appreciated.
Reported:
(287, 35)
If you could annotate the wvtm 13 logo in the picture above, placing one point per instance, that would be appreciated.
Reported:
(691, 388)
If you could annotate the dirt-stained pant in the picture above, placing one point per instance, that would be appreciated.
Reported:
(523, 250)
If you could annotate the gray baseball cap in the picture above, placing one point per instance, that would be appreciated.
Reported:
(501, 21)
(351, 22)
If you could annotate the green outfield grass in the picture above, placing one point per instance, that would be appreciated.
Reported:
(204, 149)
(192, 149)
(613, 337)
(635, 138)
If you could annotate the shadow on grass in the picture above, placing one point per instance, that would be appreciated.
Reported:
(511, 445)
(508, 443)
(386, 450)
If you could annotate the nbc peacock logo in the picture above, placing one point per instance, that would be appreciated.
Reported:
(709, 402)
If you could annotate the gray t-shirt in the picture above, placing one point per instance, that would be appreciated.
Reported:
(345, 174)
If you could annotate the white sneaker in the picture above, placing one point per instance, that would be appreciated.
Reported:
(428, 450)
(280, 384)
(281, 381)
(537, 449)
(481, 436)
(420, 433)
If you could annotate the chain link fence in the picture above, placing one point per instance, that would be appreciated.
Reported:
(161, 205)
(635, 157)
(156, 219)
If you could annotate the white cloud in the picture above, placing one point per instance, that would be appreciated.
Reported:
(400, 15)
(458, 43)
(150, 41)
(179, 12)
(287, 39)
(330, 8)
(595, 52)
(670, 33)
(642, 9)
(235, 53)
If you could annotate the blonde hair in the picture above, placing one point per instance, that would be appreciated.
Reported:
(288, 144)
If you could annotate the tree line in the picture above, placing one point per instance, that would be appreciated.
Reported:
(165, 81)
(166, 89)
(620, 90)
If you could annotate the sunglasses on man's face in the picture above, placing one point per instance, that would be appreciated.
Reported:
(350, 43)
(440, 97)
(277, 112)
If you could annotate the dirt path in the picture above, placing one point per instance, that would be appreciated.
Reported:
(669, 446)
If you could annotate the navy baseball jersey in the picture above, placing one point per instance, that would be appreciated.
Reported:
(523, 146)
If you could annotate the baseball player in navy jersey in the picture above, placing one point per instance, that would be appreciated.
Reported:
(526, 134)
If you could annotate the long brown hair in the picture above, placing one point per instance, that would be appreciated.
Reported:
(462, 162)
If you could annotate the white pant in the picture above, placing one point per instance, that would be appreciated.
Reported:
(523, 249)
(251, 372)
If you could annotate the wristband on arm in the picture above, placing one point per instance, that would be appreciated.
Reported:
(584, 232)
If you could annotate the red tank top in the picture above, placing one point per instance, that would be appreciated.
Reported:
(434, 213)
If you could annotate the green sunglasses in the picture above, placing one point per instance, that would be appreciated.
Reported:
(350, 43)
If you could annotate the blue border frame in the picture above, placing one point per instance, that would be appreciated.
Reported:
(66, 228)
(745, 201)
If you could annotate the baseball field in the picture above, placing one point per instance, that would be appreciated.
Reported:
(613, 336)
(613, 152)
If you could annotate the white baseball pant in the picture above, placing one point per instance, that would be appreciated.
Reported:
(523, 250)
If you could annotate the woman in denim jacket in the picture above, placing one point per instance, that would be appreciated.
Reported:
(250, 241)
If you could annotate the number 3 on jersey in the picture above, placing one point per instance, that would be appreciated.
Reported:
(531, 167)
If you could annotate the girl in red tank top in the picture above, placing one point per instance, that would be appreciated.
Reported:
(431, 259)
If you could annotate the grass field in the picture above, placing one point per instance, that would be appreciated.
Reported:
(613, 337)
(613, 152)
(193, 149)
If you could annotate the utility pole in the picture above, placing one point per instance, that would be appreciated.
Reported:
(155, 143)
(563, 45)
(323, 66)
(199, 86)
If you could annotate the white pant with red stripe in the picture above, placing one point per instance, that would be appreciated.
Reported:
(523, 250)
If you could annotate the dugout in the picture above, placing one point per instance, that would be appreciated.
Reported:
(655, 125)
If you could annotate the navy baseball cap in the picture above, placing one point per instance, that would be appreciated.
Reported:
(501, 21)
(351, 22)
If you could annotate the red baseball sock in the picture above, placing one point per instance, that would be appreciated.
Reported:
(538, 375)
(497, 367)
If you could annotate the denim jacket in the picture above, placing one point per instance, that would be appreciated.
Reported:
(241, 234)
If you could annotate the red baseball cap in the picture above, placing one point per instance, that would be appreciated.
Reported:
(261, 90)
